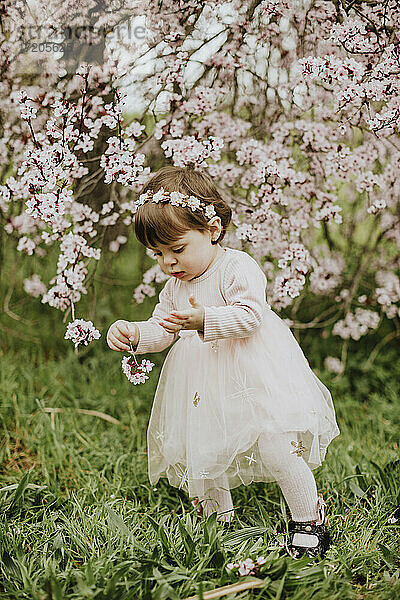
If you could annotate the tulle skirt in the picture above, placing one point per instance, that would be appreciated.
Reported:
(214, 399)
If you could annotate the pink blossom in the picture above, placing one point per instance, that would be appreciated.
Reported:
(135, 372)
(334, 364)
(388, 293)
(81, 332)
(354, 34)
(134, 129)
(220, 125)
(121, 164)
(177, 128)
(160, 129)
(376, 206)
(26, 245)
(28, 111)
(314, 181)
(330, 68)
(113, 113)
(142, 291)
(327, 275)
(48, 207)
(356, 324)
(203, 100)
(113, 246)
(34, 286)
(247, 566)
(188, 150)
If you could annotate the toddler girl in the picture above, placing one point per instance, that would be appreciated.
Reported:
(236, 400)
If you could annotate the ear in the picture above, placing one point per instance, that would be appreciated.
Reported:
(215, 227)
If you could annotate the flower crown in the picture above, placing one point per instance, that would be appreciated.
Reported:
(176, 199)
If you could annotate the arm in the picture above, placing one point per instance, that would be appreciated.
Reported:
(152, 336)
(244, 292)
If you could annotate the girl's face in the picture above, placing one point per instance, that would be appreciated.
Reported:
(190, 256)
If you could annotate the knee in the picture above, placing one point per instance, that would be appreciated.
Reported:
(277, 457)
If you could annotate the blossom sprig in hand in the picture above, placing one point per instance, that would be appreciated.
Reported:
(135, 372)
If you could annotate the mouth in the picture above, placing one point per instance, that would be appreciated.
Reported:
(178, 273)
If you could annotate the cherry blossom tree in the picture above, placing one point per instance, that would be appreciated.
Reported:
(292, 107)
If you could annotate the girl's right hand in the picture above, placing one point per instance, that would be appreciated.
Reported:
(120, 333)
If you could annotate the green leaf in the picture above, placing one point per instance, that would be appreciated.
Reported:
(361, 477)
(57, 592)
(116, 522)
(357, 491)
(58, 542)
(11, 566)
(389, 557)
(153, 523)
(382, 475)
(20, 489)
(164, 591)
(280, 588)
(187, 541)
(237, 537)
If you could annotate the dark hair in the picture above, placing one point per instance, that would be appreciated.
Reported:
(164, 223)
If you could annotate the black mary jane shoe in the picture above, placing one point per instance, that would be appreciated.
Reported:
(309, 537)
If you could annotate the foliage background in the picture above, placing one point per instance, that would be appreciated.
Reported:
(79, 518)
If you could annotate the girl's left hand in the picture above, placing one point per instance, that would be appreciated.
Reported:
(193, 318)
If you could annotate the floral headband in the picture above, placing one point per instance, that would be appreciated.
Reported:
(176, 199)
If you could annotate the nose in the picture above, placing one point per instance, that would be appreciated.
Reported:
(169, 259)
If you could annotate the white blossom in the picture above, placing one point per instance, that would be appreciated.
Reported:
(81, 332)
(34, 286)
(136, 372)
(334, 364)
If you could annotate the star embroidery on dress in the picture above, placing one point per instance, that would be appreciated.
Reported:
(160, 435)
(204, 473)
(243, 393)
(251, 458)
(196, 399)
(183, 474)
(299, 448)
(214, 345)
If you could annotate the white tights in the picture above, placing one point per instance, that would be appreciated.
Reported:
(292, 473)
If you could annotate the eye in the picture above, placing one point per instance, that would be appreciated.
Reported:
(176, 251)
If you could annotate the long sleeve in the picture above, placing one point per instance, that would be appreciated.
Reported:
(153, 337)
(244, 291)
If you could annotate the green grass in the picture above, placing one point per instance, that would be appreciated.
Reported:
(84, 521)
(79, 518)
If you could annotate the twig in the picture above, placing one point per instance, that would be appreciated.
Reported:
(314, 324)
(85, 411)
(387, 338)
(229, 589)
(343, 359)
(30, 486)
(6, 308)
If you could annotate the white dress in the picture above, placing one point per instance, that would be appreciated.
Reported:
(218, 391)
